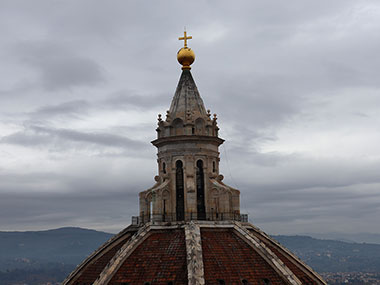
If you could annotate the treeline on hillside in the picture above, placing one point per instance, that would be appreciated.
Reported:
(334, 256)
(53, 274)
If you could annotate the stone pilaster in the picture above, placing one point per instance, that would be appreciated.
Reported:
(194, 256)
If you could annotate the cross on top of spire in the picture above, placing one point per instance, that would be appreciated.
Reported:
(185, 38)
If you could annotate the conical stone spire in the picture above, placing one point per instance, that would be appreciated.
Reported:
(187, 99)
(187, 114)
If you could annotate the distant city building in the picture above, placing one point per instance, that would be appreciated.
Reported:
(190, 229)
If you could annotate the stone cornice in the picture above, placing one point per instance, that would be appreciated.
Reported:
(187, 138)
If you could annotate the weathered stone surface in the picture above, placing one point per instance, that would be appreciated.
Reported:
(186, 101)
(194, 254)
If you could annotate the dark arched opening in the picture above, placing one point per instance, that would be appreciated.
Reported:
(180, 201)
(199, 126)
(201, 209)
(178, 127)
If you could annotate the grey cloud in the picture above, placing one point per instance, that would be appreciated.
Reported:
(77, 109)
(124, 98)
(71, 196)
(26, 179)
(39, 211)
(27, 138)
(343, 203)
(254, 106)
(295, 172)
(66, 108)
(38, 135)
(59, 67)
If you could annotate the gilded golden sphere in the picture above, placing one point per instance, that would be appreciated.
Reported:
(186, 57)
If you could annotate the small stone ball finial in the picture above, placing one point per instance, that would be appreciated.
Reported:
(159, 117)
(168, 119)
(185, 57)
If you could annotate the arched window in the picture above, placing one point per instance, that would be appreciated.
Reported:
(221, 282)
(149, 207)
(213, 166)
(244, 281)
(199, 126)
(214, 204)
(164, 167)
(230, 205)
(150, 210)
(201, 208)
(165, 205)
(266, 281)
(180, 200)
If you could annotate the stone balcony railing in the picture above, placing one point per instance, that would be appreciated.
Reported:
(173, 217)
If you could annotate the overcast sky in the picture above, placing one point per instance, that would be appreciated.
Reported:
(295, 85)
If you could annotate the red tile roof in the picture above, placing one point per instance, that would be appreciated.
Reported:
(159, 259)
(227, 257)
(158, 254)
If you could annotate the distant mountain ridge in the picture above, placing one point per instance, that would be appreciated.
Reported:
(65, 245)
(348, 237)
(53, 254)
(333, 255)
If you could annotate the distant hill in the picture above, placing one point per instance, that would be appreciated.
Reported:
(48, 256)
(358, 237)
(65, 245)
(334, 256)
(38, 257)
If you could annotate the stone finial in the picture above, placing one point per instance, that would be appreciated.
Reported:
(168, 118)
(159, 118)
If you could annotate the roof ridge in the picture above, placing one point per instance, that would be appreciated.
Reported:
(122, 254)
(267, 254)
